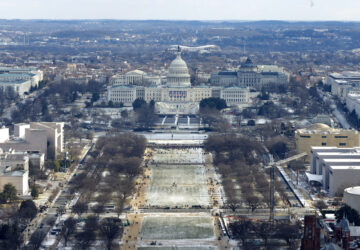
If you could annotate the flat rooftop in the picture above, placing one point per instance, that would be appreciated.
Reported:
(338, 154)
(353, 190)
(344, 167)
(14, 81)
(347, 160)
(14, 173)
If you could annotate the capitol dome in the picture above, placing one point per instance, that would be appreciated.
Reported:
(178, 73)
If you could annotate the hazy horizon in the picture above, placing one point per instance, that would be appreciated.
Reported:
(179, 20)
(186, 10)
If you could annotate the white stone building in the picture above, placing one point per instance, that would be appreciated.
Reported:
(339, 168)
(41, 137)
(343, 83)
(252, 76)
(19, 79)
(18, 178)
(352, 197)
(353, 102)
(14, 169)
(177, 96)
(135, 77)
(4, 134)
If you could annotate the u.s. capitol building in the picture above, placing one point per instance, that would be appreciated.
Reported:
(177, 96)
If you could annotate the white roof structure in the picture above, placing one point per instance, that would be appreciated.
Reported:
(353, 190)
(314, 177)
(136, 72)
(339, 167)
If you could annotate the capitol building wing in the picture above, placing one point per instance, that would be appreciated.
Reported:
(177, 96)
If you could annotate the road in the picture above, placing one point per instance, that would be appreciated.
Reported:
(13, 106)
(43, 222)
(336, 112)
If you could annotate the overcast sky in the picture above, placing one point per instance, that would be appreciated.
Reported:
(182, 9)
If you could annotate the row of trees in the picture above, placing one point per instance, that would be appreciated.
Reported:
(145, 113)
(120, 155)
(232, 147)
(246, 231)
(17, 219)
(107, 229)
(56, 95)
(351, 214)
(7, 96)
(237, 159)
(210, 112)
(302, 100)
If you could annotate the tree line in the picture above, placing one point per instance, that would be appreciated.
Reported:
(246, 231)
(121, 156)
(56, 96)
(238, 159)
(14, 221)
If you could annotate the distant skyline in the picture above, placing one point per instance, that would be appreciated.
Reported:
(290, 10)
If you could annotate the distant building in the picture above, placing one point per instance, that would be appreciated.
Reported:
(19, 79)
(14, 169)
(322, 135)
(338, 168)
(135, 77)
(352, 101)
(347, 235)
(252, 76)
(343, 83)
(42, 137)
(177, 96)
(4, 134)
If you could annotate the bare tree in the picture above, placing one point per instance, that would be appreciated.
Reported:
(120, 205)
(36, 239)
(110, 228)
(321, 205)
(253, 202)
(85, 239)
(68, 229)
(91, 224)
(290, 233)
(233, 204)
(79, 208)
(264, 231)
(98, 209)
(61, 210)
(241, 229)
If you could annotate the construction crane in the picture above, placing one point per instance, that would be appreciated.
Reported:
(272, 166)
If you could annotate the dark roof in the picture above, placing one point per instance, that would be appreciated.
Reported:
(227, 73)
(270, 73)
(248, 64)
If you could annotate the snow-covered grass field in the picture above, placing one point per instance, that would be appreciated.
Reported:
(166, 175)
(177, 185)
(177, 196)
(179, 156)
(177, 228)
